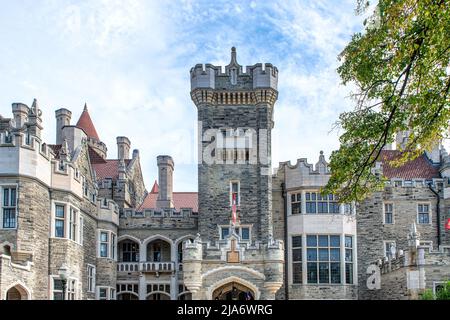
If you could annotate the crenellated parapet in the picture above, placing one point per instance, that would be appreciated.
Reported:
(303, 173)
(232, 86)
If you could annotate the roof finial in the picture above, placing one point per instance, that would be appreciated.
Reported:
(233, 55)
(85, 107)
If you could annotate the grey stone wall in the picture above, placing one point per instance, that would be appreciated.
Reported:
(372, 232)
(255, 179)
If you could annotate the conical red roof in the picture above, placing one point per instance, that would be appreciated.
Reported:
(155, 188)
(86, 124)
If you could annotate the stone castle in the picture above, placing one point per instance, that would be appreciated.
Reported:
(76, 224)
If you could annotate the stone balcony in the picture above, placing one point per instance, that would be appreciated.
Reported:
(147, 267)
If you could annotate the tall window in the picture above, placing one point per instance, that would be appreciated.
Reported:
(130, 251)
(297, 259)
(423, 213)
(316, 203)
(113, 246)
(156, 252)
(60, 218)
(348, 260)
(323, 255)
(9, 203)
(296, 203)
(71, 289)
(103, 293)
(91, 278)
(72, 224)
(104, 244)
(235, 193)
(388, 213)
(57, 289)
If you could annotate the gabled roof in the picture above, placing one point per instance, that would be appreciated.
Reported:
(419, 168)
(180, 199)
(155, 188)
(108, 169)
(85, 123)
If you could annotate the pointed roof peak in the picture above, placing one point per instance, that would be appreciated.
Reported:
(155, 188)
(85, 123)
(233, 57)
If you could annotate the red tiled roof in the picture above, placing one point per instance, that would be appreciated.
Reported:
(419, 168)
(85, 123)
(155, 188)
(95, 157)
(108, 169)
(180, 200)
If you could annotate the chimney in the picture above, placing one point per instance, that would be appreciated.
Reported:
(63, 117)
(20, 112)
(123, 148)
(165, 179)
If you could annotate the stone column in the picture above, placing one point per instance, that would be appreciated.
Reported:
(142, 286)
(303, 201)
(174, 287)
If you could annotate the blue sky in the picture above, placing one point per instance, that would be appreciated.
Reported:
(130, 61)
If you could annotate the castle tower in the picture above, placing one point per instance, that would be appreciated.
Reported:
(234, 254)
(235, 114)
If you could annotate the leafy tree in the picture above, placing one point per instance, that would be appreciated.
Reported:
(441, 294)
(400, 68)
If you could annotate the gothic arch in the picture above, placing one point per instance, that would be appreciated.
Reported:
(218, 284)
(235, 268)
(21, 288)
(157, 237)
(128, 237)
(189, 236)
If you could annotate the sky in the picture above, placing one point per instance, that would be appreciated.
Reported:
(129, 60)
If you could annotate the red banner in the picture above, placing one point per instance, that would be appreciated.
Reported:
(447, 225)
(233, 209)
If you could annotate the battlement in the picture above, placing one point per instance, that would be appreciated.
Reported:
(232, 77)
(303, 173)
(108, 210)
(168, 218)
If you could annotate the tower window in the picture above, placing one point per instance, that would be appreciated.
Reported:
(9, 201)
(235, 193)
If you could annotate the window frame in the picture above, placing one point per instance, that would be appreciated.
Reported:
(385, 212)
(231, 192)
(318, 202)
(297, 195)
(91, 272)
(385, 242)
(111, 244)
(240, 227)
(297, 262)
(318, 261)
(428, 204)
(4, 207)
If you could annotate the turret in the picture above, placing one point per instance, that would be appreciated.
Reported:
(123, 148)
(165, 177)
(63, 117)
(20, 112)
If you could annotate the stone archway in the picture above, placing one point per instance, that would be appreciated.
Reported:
(233, 291)
(17, 293)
